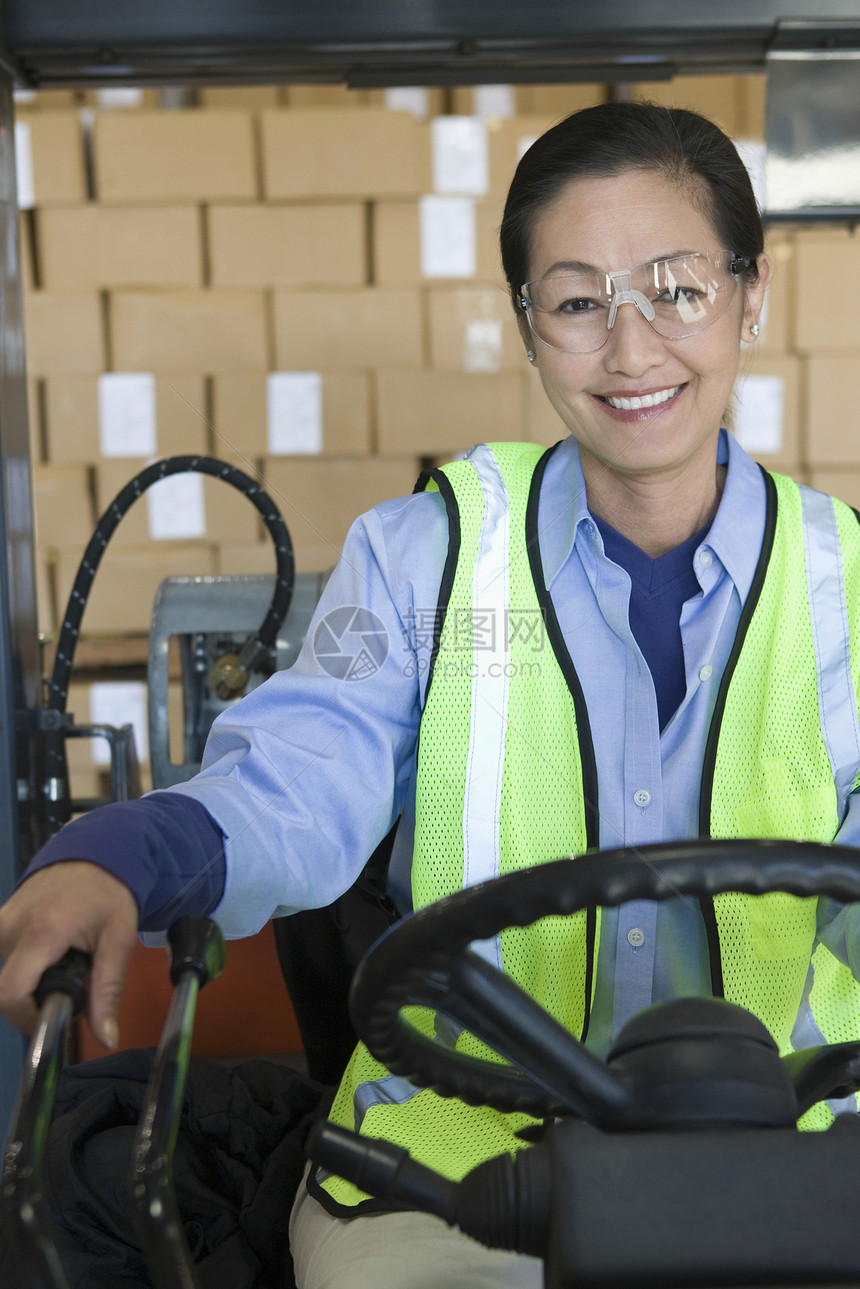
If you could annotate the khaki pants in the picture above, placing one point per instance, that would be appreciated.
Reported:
(397, 1251)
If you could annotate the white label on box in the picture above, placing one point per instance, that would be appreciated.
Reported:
(176, 508)
(492, 102)
(460, 155)
(754, 154)
(482, 345)
(24, 166)
(294, 413)
(119, 703)
(409, 98)
(120, 96)
(449, 240)
(759, 413)
(127, 416)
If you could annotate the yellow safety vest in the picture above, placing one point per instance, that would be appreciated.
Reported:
(507, 779)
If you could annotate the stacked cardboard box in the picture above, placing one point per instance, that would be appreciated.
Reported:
(305, 282)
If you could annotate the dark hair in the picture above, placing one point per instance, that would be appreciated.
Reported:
(614, 137)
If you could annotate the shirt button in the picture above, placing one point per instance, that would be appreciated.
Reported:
(706, 559)
(636, 937)
(642, 798)
(706, 672)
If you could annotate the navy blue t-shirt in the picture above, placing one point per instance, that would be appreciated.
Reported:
(659, 588)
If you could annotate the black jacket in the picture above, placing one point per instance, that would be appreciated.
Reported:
(238, 1162)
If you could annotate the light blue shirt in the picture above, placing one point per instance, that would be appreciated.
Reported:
(308, 773)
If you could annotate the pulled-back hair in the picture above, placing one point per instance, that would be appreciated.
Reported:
(612, 138)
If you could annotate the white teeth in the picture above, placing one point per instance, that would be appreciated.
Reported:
(646, 400)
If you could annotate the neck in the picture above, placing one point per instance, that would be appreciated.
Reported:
(657, 514)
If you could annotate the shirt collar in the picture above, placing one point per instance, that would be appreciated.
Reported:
(737, 532)
(735, 536)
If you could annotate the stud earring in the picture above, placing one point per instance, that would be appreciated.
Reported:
(531, 355)
(754, 330)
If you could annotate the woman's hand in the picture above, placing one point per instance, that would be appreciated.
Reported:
(70, 905)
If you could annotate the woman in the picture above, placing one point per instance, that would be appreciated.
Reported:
(630, 651)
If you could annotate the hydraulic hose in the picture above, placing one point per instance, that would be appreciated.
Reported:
(504, 1202)
(258, 646)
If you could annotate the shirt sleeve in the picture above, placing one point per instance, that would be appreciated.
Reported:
(308, 773)
(165, 847)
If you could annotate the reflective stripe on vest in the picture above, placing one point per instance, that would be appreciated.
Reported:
(783, 756)
(532, 735)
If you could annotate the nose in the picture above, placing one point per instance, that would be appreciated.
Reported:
(632, 347)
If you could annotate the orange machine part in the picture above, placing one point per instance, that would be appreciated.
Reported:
(246, 1012)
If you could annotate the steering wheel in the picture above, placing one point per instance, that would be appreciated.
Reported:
(425, 960)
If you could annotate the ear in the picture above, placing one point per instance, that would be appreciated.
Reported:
(754, 295)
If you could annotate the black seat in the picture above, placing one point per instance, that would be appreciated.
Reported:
(318, 951)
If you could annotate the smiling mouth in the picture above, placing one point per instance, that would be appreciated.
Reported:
(643, 400)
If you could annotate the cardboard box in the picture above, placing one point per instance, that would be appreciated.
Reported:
(144, 157)
(438, 413)
(559, 100)
(63, 503)
(341, 97)
(244, 97)
(717, 97)
(828, 279)
(88, 779)
(122, 98)
(185, 507)
(320, 499)
(288, 245)
(235, 559)
(844, 484)
(342, 330)
(46, 606)
(52, 145)
(765, 410)
(328, 153)
(124, 587)
(832, 393)
(752, 92)
(182, 331)
(65, 333)
(404, 234)
(35, 420)
(507, 141)
(27, 101)
(241, 415)
(474, 329)
(102, 246)
(777, 316)
(421, 102)
(73, 418)
(555, 101)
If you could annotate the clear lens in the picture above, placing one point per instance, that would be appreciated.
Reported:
(573, 312)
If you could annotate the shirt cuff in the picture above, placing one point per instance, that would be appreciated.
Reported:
(165, 847)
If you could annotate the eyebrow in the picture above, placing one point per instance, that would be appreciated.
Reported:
(580, 266)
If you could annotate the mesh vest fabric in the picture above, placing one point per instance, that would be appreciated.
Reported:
(771, 778)
(540, 747)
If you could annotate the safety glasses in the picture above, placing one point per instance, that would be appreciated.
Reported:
(575, 311)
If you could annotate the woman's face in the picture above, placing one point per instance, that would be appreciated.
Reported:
(621, 223)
